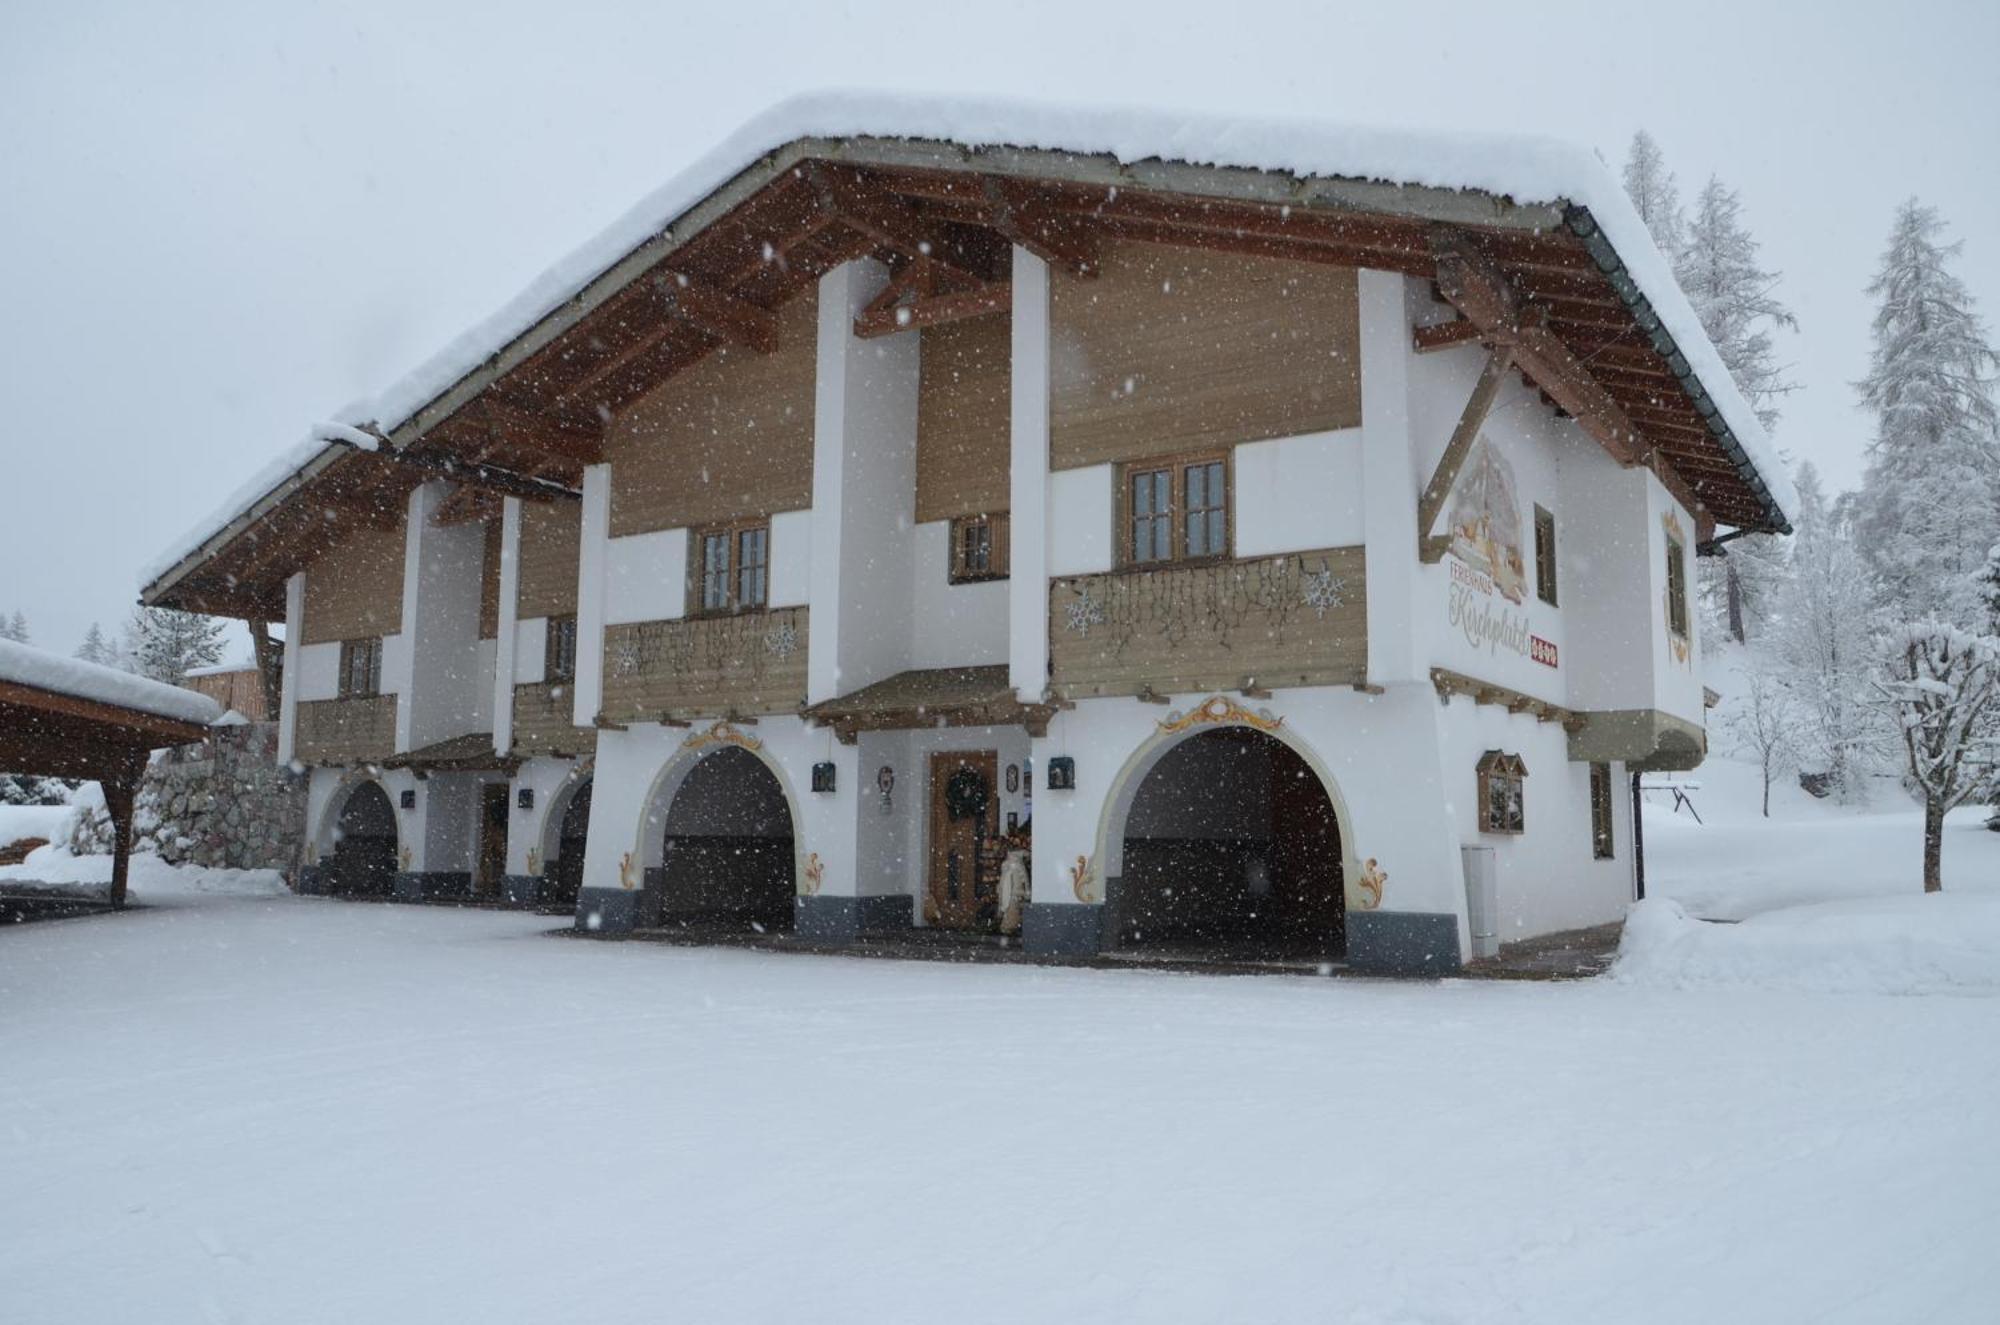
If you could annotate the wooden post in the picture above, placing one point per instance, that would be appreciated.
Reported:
(121, 786)
(270, 668)
(1499, 362)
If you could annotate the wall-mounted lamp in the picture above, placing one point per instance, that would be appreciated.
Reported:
(1062, 774)
(823, 778)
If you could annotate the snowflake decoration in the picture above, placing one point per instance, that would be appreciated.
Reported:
(782, 642)
(625, 658)
(1084, 613)
(1323, 591)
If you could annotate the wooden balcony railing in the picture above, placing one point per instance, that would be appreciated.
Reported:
(1299, 619)
(545, 721)
(753, 662)
(346, 731)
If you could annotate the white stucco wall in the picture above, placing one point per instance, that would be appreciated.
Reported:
(1548, 878)
(645, 577)
(952, 624)
(1080, 518)
(791, 559)
(864, 491)
(316, 672)
(1298, 493)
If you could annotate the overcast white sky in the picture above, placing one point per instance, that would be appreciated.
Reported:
(220, 222)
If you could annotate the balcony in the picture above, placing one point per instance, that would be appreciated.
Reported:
(346, 731)
(749, 663)
(545, 722)
(1300, 619)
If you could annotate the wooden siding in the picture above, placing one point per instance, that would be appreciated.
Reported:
(964, 431)
(702, 667)
(346, 731)
(551, 534)
(489, 583)
(544, 722)
(1217, 626)
(1176, 349)
(354, 589)
(732, 436)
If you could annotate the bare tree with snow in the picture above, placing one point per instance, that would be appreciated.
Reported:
(1824, 621)
(1941, 686)
(1931, 500)
(1764, 723)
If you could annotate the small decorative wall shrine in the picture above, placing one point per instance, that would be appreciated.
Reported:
(823, 777)
(885, 782)
(1062, 773)
(1013, 778)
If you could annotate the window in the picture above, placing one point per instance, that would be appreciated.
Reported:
(1177, 511)
(1600, 812)
(1500, 803)
(1677, 599)
(1545, 556)
(561, 656)
(360, 668)
(734, 572)
(979, 548)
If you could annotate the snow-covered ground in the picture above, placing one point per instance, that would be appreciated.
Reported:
(149, 879)
(290, 1109)
(44, 821)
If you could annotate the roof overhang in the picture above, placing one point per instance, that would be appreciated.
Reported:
(507, 396)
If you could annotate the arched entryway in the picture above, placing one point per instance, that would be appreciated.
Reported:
(1230, 847)
(363, 860)
(727, 856)
(562, 853)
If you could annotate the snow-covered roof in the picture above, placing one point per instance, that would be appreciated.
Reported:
(1527, 170)
(221, 669)
(23, 664)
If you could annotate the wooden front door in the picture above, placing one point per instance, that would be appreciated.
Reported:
(492, 837)
(964, 879)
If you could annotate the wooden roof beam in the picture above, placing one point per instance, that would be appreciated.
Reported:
(887, 220)
(1474, 284)
(717, 312)
(1044, 232)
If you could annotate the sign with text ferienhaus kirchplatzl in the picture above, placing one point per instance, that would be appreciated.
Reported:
(1489, 575)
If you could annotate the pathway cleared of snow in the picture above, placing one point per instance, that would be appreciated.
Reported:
(294, 1110)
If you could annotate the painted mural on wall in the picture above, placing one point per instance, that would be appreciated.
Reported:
(1489, 570)
(1486, 521)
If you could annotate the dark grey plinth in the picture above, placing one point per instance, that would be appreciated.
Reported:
(1057, 929)
(844, 919)
(608, 913)
(313, 881)
(433, 886)
(1402, 942)
(521, 889)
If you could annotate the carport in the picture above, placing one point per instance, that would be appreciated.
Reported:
(61, 717)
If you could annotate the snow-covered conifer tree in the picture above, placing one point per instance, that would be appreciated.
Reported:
(15, 628)
(166, 644)
(96, 649)
(1654, 192)
(1717, 267)
(1941, 687)
(1930, 508)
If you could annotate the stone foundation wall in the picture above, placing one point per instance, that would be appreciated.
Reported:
(225, 802)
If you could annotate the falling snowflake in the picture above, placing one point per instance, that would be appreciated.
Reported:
(782, 642)
(1323, 591)
(1084, 613)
